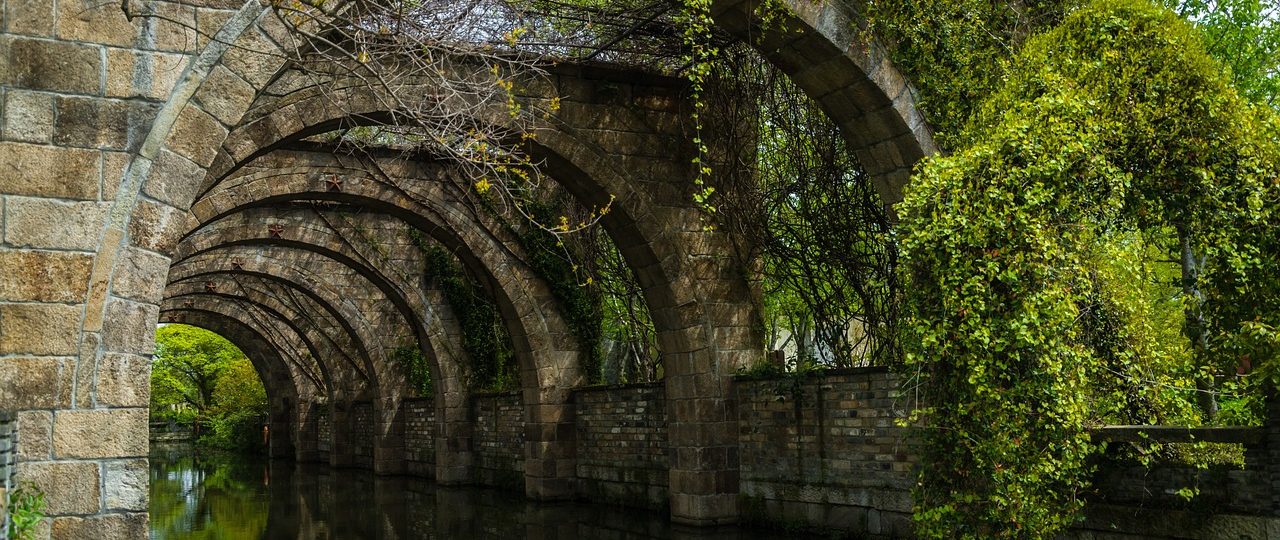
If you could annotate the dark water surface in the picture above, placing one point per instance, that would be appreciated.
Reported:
(229, 497)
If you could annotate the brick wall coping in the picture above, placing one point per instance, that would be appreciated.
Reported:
(1179, 434)
(833, 372)
(510, 393)
(611, 387)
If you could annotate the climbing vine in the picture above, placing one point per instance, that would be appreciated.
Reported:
(484, 337)
(1114, 122)
(416, 367)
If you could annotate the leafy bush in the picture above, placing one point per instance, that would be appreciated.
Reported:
(26, 510)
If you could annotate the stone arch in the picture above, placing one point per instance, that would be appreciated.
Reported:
(429, 317)
(484, 246)
(384, 377)
(283, 395)
(279, 325)
(702, 302)
(548, 351)
(824, 48)
(298, 231)
(337, 384)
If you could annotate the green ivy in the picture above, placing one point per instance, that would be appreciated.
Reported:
(957, 52)
(484, 336)
(1113, 122)
(417, 368)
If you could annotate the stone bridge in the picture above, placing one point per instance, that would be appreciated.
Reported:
(149, 173)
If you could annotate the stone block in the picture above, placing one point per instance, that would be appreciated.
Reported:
(175, 27)
(54, 224)
(35, 433)
(225, 95)
(54, 65)
(102, 433)
(127, 526)
(44, 276)
(254, 57)
(95, 22)
(28, 116)
(29, 17)
(103, 123)
(126, 485)
(141, 276)
(196, 135)
(114, 167)
(150, 75)
(34, 383)
(210, 19)
(174, 179)
(124, 380)
(129, 327)
(39, 329)
(69, 487)
(49, 171)
(157, 227)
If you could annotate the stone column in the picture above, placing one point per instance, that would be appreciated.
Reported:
(550, 439)
(388, 450)
(454, 455)
(341, 447)
(281, 430)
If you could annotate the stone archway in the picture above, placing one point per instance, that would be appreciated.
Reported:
(276, 376)
(95, 213)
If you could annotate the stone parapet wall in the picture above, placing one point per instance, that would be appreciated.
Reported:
(622, 444)
(498, 439)
(826, 451)
(1157, 487)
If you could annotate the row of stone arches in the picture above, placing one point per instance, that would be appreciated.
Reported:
(225, 185)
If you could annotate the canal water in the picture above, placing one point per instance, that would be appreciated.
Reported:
(231, 497)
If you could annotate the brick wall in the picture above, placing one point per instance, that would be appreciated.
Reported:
(826, 450)
(419, 436)
(324, 433)
(498, 439)
(622, 444)
(362, 432)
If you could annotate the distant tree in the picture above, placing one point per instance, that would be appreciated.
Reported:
(1245, 36)
(186, 367)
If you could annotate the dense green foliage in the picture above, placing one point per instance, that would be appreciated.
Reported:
(956, 52)
(1245, 36)
(1114, 126)
(417, 368)
(198, 376)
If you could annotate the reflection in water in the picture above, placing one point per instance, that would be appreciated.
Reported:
(238, 498)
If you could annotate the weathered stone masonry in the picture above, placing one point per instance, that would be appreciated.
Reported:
(149, 172)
